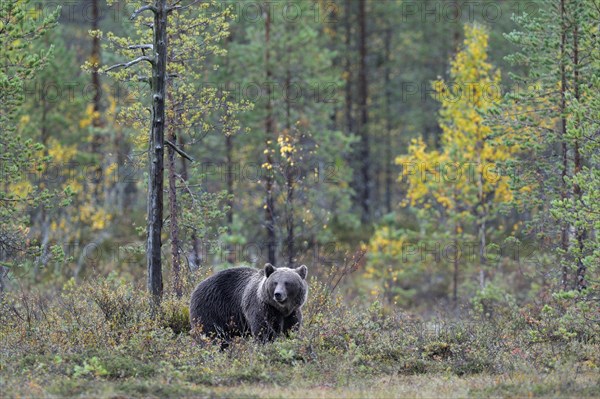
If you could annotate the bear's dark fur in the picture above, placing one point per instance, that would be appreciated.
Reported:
(243, 300)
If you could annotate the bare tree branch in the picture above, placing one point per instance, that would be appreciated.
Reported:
(141, 46)
(142, 79)
(131, 63)
(179, 150)
(141, 10)
(175, 7)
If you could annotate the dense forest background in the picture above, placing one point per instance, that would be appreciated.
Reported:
(299, 140)
(423, 156)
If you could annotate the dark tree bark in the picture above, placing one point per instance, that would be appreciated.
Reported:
(45, 223)
(269, 137)
(564, 230)
(156, 150)
(96, 57)
(195, 259)
(289, 175)
(389, 180)
(455, 267)
(97, 106)
(581, 232)
(481, 211)
(229, 178)
(363, 152)
(173, 211)
(156, 153)
(231, 253)
(348, 100)
(229, 155)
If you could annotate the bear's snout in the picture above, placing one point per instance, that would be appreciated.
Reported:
(279, 296)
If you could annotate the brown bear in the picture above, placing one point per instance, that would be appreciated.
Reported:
(243, 300)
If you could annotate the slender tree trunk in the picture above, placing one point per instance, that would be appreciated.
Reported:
(124, 185)
(332, 45)
(174, 215)
(564, 230)
(581, 232)
(482, 214)
(43, 216)
(3, 272)
(231, 258)
(156, 154)
(173, 203)
(290, 221)
(482, 245)
(96, 119)
(388, 123)
(363, 151)
(455, 264)
(270, 135)
(229, 178)
(348, 100)
(229, 156)
(231, 250)
(289, 174)
(96, 58)
(196, 259)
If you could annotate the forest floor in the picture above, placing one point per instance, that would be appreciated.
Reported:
(98, 339)
(385, 386)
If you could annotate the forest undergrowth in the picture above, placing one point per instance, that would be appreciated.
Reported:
(98, 338)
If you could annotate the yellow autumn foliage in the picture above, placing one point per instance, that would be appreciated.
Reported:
(462, 180)
(61, 154)
(90, 116)
(467, 165)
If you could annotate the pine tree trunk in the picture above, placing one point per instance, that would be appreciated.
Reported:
(229, 178)
(229, 153)
(581, 284)
(96, 120)
(388, 123)
(173, 203)
(269, 136)
(231, 258)
(564, 230)
(95, 56)
(289, 175)
(482, 214)
(44, 221)
(363, 151)
(455, 271)
(195, 258)
(156, 154)
(174, 216)
(348, 69)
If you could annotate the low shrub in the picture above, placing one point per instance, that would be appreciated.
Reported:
(101, 330)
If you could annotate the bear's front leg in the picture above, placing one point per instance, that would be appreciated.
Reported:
(266, 329)
(292, 322)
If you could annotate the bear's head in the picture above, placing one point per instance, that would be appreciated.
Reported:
(286, 289)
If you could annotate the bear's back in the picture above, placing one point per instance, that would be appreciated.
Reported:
(216, 303)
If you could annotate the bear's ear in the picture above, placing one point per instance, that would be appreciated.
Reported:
(302, 271)
(269, 269)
